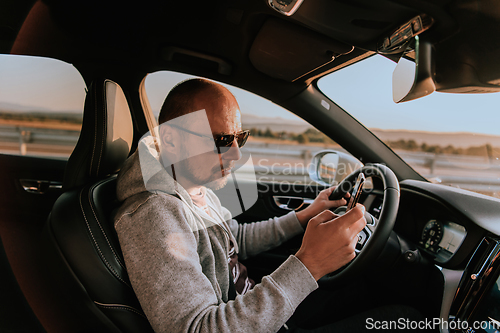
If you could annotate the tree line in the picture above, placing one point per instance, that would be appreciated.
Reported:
(314, 136)
(42, 117)
(310, 135)
(412, 145)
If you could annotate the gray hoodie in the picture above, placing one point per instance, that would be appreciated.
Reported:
(177, 257)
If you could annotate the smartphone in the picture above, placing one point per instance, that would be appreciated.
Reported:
(356, 191)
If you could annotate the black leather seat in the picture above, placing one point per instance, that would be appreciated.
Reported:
(81, 245)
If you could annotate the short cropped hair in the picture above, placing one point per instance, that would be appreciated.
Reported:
(180, 100)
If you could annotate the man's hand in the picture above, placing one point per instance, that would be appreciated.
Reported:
(319, 204)
(330, 240)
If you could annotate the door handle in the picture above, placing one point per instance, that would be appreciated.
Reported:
(39, 186)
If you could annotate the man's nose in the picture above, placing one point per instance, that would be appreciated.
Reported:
(233, 153)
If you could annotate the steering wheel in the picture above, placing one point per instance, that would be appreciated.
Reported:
(374, 236)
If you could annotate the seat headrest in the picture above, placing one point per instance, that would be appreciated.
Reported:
(106, 135)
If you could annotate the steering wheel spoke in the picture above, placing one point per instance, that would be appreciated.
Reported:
(371, 222)
(372, 239)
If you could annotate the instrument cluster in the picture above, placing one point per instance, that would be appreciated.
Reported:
(442, 238)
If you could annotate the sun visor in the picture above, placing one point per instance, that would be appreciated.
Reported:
(288, 51)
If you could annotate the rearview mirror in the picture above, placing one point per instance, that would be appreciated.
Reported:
(330, 167)
(413, 78)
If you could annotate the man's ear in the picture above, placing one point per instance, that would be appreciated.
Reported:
(164, 137)
(168, 139)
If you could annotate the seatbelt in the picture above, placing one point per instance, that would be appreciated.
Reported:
(231, 293)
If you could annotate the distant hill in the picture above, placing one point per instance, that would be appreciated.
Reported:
(17, 108)
(458, 140)
(275, 124)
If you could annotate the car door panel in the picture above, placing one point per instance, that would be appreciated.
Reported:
(24, 210)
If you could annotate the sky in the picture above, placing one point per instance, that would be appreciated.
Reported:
(364, 90)
(46, 83)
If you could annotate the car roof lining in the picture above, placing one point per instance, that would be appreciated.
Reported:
(135, 35)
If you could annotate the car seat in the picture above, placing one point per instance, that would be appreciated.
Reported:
(81, 246)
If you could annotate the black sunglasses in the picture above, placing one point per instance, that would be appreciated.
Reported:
(222, 141)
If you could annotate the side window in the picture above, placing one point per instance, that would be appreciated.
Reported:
(41, 106)
(281, 144)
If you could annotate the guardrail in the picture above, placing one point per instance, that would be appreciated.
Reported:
(26, 140)
(282, 162)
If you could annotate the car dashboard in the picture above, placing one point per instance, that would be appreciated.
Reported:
(458, 231)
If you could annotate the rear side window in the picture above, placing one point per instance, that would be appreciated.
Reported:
(41, 106)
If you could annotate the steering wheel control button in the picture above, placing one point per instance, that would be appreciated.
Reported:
(362, 238)
(410, 256)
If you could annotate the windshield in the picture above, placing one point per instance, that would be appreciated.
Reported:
(451, 139)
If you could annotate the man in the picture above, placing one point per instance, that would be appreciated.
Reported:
(181, 246)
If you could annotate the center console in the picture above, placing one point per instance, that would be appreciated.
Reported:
(476, 307)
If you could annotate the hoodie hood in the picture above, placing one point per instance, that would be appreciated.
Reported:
(143, 171)
(151, 171)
